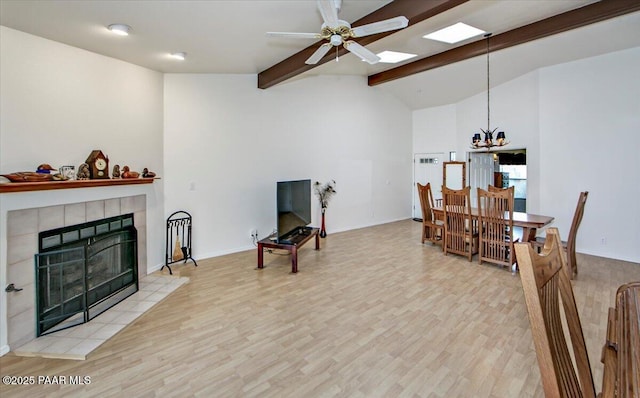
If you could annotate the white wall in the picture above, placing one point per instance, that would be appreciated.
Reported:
(57, 103)
(514, 110)
(230, 142)
(579, 123)
(435, 130)
(590, 141)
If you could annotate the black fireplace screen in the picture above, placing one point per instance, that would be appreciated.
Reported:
(83, 270)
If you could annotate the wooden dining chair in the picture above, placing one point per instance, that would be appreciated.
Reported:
(492, 188)
(570, 245)
(495, 226)
(431, 228)
(545, 279)
(460, 229)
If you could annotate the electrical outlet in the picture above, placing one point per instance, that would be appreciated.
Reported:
(254, 234)
(603, 241)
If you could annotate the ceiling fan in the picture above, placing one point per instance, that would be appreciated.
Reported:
(339, 32)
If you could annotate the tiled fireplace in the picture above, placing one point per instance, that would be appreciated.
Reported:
(23, 228)
(83, 270)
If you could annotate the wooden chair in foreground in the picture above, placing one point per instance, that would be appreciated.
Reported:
(495, 225)
(570, 245)
(431, 228)
(545, 279)
(460, 230)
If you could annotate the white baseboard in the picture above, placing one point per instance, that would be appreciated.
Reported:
(4, 350)
(153, 269)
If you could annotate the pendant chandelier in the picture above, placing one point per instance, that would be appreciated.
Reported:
(477, 142)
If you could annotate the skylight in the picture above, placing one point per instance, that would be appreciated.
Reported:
(393, 57)
(454, 33)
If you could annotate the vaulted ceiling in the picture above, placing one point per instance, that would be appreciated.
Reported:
(228, 37)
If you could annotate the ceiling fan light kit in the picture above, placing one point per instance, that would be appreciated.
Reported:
(335, 40)
(339, 32)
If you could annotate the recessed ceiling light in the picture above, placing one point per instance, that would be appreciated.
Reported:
(454, 33)
(120, 29)
(393, 57)
(181, 56)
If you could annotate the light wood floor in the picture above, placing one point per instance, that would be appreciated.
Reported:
(373, 313)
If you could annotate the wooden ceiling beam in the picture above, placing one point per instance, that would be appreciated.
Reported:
(592, 13)
(415, 10)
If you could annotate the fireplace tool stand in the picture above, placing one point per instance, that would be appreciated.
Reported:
(178, 246)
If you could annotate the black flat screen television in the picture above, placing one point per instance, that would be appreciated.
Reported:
(293, 201)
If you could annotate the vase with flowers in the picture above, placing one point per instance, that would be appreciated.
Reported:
(324, 192)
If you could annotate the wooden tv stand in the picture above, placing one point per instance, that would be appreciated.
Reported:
(296, 242)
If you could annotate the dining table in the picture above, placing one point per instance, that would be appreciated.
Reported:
(527, 221)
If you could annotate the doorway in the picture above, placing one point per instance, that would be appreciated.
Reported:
(427, 167)
(502, 169)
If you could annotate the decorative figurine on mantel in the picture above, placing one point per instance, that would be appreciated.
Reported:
(147, 174)
(98, 164)
(126, 173)
(324, 193)
(83, 172)
(116, 171)
(44, 168)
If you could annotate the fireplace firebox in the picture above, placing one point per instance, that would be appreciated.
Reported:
(83, 270)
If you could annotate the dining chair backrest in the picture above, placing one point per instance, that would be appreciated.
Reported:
(570, 245)
(545, 279)
(495, 225)
(426, 201)
(431, 230)
(573, 233)
(492, 188)
(461, 233)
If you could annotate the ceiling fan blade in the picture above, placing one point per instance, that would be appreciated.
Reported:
(318, 54)
(361, 52)
(295, 35)
(380, 26)
(329, 12)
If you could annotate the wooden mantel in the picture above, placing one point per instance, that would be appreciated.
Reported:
(10, 187)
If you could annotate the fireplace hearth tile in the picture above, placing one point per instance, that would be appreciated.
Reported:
(78, 342)
(75, 213)
(112, 207)
(126, 318)
(84, 331)
(21, 273)
(37, 345)
(155, 296)
(63, 344)
(124, 305)
(141, 295)
(20, 222)
(108, 316)
(80, 351)
(142, 306)
(50, 217)
(95, 210)
(107, 331)
(128, 204)
(20, 247)
(21, 301)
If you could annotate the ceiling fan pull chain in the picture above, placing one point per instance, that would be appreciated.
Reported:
(337, 58)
